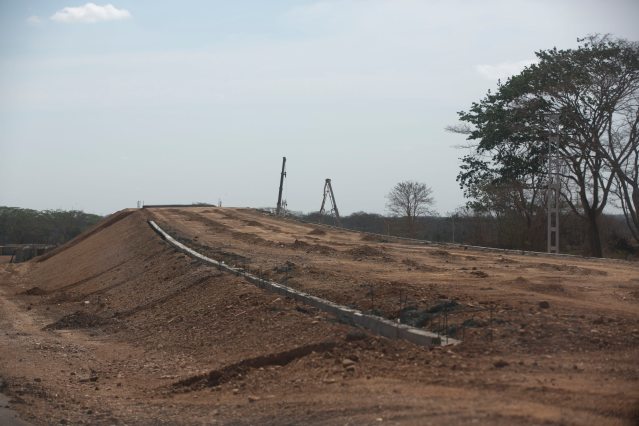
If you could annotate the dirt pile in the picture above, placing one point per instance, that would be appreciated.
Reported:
(366, 251)
(317, 231)
(165, 337)
(76, 320)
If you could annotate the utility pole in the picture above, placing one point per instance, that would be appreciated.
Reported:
(279, 196)
(554, 186)
(328, 193)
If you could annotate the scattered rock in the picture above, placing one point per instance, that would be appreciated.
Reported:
(35, 291)
(77, 320)
(365, 251)
(445, 305)
(92, 378)
(252, 398)
(346, 362)
(500, 363)
(354, 335)
(317, 231)
(286, 267)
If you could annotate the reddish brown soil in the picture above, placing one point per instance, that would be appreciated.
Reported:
(118, 328)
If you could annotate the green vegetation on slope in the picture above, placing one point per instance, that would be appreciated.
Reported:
(26, 226)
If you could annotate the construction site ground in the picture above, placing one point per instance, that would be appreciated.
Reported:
(117, 327)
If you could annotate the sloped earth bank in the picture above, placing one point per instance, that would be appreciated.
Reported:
(118, 328)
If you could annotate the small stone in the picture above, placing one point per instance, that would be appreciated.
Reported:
(501, 363)
(252, 398)
(236, 391)
(346, 362)
(544, 305)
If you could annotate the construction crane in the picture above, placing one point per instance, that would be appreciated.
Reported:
(278, 211)
(328, 192)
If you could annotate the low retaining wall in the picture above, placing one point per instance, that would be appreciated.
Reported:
(377, 325)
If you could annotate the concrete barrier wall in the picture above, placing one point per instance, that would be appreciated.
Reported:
(377, 325)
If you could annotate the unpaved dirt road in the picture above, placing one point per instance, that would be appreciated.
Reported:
(118, 328)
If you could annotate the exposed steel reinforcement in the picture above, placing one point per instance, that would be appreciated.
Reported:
(377, 325)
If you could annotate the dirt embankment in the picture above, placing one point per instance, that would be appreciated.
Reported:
(119, 328)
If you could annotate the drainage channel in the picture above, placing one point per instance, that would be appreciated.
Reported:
(377, 325)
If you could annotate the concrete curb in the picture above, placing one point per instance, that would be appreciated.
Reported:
(377, 325)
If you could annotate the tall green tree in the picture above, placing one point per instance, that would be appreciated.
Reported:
(592, 89)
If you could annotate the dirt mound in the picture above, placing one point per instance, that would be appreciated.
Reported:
(550, 288)
(317, 231)
(572, 269)
(34, 291)
(252, 223)
(365, 251)
(374, 238)
(76, 320)
(222, 375)
(252, 356)
(108, 221)
(312, 248)
(420, 267)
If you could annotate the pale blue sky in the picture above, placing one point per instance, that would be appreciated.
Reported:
(199, 100)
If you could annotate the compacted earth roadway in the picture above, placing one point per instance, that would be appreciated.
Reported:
(117, 327)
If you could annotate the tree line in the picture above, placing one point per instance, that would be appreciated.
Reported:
(26, 226)
(468, 227)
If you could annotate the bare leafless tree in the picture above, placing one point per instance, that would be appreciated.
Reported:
(410, 199)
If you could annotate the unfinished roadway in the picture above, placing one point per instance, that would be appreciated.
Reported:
(118, 327)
